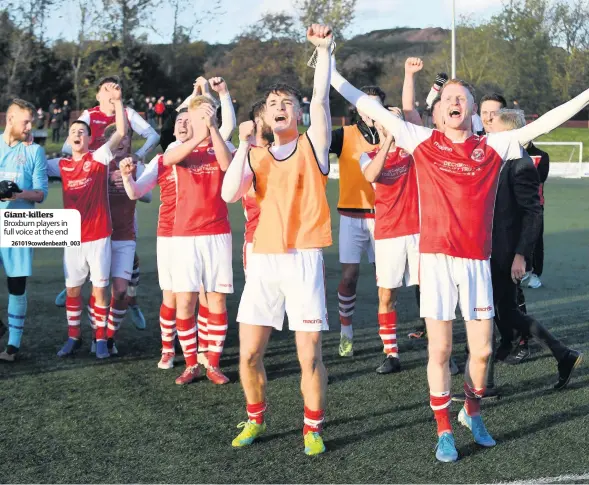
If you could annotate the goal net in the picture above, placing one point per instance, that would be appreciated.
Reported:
(566, 158)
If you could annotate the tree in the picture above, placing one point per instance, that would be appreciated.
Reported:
(189, 16)
(339, 14)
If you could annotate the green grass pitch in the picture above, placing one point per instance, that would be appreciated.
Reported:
(82, 421)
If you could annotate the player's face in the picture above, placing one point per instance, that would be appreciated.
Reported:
(457, 105)
(124, 148)
(183, 128)
(489, 111)
(78, 138)
(102, 95)
(21, 124)
(282, 112)
(369, 121)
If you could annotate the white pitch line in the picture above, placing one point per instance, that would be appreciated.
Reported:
(546, 480)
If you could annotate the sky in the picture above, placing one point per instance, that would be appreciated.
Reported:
(370, 15)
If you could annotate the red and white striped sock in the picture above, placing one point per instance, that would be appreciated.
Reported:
(100, 319)
(217, 327)
(347, 306)
(472, 403)
(186, 328)
(203, 334)
(168, 329)
(118, 309)
(440, 404)
(73, 311)
(387, 329)
(255, 412)
(90, 309)
(313, 421)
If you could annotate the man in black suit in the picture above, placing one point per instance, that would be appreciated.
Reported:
(516, 225)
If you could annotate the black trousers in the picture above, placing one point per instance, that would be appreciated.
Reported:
(538, 255)
(511, 321)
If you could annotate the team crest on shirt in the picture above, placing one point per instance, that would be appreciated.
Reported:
(403, 153)
(20, 159)
(478, 154)
(211, 151)
(86, 166)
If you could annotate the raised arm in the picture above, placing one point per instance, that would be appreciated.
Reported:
(239, 176)
(146, 181)
(228, 120)
(553, 119)
(407, 135)
(320, 130)
(222, 152)
(412, 66)
(180, 152)
(120, 118)
(143, 128)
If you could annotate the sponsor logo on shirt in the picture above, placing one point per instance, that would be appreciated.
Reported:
(79, 184)
(457, 168)
(478, 154)
(442, 147)
(202, 169)
(99, 122)
(394, 172)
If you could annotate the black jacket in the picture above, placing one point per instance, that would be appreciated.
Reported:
(518, 213)
(337, 137)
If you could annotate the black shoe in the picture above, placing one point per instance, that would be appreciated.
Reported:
(503, 352)
(519, 354)
(566, 367)
(389, 365)
(491, 394)
(3, 329)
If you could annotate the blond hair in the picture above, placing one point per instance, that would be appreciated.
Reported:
(20, 104)
(200, 100)
(460, 82)
(512, 118)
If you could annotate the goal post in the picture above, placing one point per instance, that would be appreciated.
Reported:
(566, 166)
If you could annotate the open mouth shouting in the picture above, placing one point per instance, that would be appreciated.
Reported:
(455, 113)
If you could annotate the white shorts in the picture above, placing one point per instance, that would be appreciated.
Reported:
(443, 279)
(356, 235)
(293, 282)
(92, 258)
(164, 262)
(202, 261)
(121, 263)
(396, 258)
(248, 249)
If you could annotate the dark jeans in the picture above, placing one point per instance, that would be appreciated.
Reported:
(538, 255)
(511, 320)
(55, 135)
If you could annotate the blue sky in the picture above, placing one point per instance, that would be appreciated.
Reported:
(370, 15)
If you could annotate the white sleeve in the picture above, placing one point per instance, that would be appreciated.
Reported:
(147, 179)
(407, 135)
(228, 119)
(231, 147)
(85, 117)
(239, 176)
(364, 161)
(142, 128)
(103, 154)
(53, 167)
(172, 145)
(505, 144)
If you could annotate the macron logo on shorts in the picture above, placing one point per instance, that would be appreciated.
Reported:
(225, 285)
(484, 309)
(316, 321)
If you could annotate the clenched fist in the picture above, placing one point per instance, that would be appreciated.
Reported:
(218, 85)
(413, 65)
(246, 130)
(126, 167)
(319, 35)
(201, 86)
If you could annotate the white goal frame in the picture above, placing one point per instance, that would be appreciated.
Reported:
(579, 172)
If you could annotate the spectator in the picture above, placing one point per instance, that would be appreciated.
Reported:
(55, 124)
(306, 109)
(150, 115)
(66, 111)
(40, 119)
(168, 120)
(160, 107)
(131, 103)
(235, 106)
(53, 105)
(178, 102)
